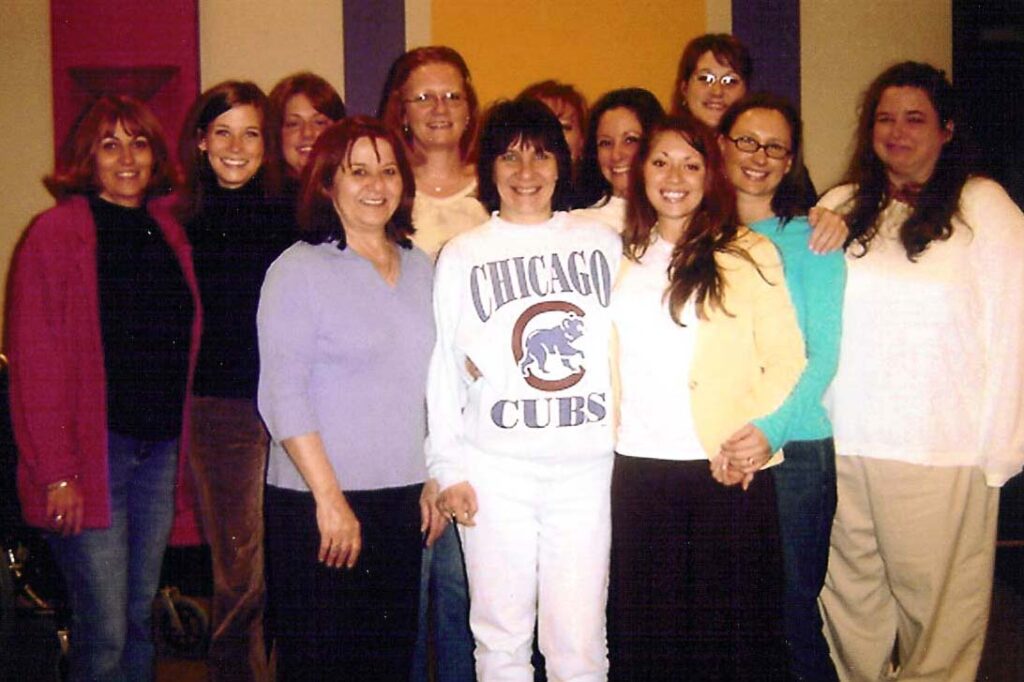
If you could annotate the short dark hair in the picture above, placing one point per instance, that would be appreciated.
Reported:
(391, 110)
(318, 219)
(793, 196)
(728, 49)
(531, 124)
(207, 107)
(939, 199)
(321, 95)
(647, 109)
(76, 162)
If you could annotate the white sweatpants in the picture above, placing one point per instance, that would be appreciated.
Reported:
(539, 551)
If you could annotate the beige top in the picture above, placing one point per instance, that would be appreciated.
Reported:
(438, 220)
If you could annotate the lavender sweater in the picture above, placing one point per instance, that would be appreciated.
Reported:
(346, 355)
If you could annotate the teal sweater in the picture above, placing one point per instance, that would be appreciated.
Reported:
(816, 284)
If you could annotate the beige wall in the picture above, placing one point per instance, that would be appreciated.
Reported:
(844, 45)
(719, 13)
(267, 40)
(26, 119)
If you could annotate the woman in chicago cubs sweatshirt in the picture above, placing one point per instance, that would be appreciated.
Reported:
(519, 405)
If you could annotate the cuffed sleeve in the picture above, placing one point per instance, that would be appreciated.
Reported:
(287, 327)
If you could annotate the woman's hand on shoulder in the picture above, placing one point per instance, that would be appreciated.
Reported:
(458, 502)
(65, 507)
(340, 534)
(829, 230)
(432, 521)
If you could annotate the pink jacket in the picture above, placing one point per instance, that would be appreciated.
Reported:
(57, 375)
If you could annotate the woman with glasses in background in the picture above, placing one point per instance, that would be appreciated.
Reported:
(430, 104)
(714, 72)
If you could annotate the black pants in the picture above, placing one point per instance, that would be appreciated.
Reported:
(344, 624)
(696, 575)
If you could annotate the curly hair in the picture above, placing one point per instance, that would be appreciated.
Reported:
(939, 200)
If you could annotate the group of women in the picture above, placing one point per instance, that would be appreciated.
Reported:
(623, 405)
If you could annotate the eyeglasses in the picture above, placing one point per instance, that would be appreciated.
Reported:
(772, 150)
(707, 79)
(428, 100)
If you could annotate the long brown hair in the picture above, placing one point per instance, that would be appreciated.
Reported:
(207, 107)
(939, 200)
(713, 228)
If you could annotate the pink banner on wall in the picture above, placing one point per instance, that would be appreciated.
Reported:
(149, 50)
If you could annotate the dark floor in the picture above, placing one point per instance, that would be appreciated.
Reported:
(35, 651)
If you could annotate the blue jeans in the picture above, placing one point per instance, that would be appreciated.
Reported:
(113, 573)
(805, 488)
(443, 583)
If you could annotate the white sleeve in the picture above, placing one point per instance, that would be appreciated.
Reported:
(997, 251)
(447, 379)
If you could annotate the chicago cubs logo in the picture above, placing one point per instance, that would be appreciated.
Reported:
(542, 345)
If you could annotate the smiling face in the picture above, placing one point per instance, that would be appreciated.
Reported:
(674, 174)
(618, 138)
(908, 136)
(367, 188)
(435, 106)
(233, 143)
(755, 174)
(300, 127)
(525, 178)
(124, 167)
(711, 89)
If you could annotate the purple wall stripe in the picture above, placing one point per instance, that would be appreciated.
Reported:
(374, 37)
(771, 29)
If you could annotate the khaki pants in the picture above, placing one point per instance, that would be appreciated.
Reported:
(911, 565)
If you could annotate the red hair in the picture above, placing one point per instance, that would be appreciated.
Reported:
(318, 219)
(76, 164)
(392, 109)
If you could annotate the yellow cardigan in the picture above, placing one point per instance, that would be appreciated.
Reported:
(747, 361)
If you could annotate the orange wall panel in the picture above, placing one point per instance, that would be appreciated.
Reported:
(597, 45)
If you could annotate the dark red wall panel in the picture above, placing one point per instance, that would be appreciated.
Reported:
(146, 49)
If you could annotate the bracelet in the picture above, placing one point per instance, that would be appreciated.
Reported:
(59, 485)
